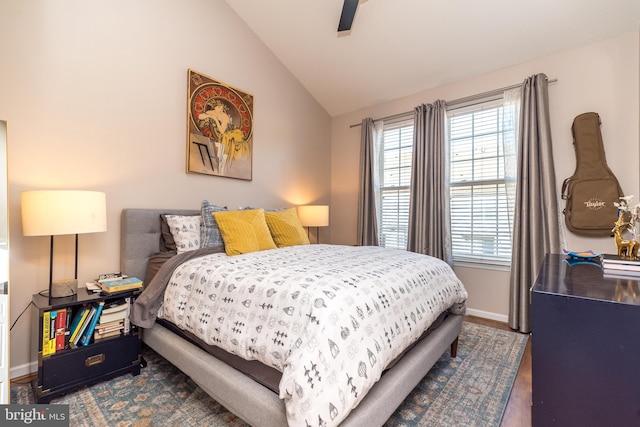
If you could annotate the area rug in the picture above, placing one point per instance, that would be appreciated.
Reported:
(470, 390)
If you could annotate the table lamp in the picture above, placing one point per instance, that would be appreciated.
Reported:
(60, 212)
(314, 216)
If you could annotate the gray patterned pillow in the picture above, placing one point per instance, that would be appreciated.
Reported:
(185, 231)
(210, 231)
(166, 242)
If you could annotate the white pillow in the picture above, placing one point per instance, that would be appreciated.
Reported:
(185, 231)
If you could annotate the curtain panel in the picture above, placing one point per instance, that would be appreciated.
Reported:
(429, 227)
(367, 228)
(536, 227)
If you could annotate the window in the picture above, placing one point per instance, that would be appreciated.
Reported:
(481, 142)
(482, 192)
(394, 181)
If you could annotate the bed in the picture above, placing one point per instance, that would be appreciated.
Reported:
(249, 399)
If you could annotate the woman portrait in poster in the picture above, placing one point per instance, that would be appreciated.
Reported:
(218, 120)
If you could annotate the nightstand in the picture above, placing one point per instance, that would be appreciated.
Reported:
(69, 368)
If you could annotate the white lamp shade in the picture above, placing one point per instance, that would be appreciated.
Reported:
(314, 215)
(57, 212)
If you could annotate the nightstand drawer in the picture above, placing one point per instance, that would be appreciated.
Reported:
(89, 363)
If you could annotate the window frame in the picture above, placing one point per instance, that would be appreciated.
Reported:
(496, 101)
(400, 123)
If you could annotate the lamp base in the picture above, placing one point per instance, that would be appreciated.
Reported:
(63, 288)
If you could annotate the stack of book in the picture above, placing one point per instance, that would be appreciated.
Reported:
(112, 285)
(113, 321)
(54, 330)
(615, 266)
(84, 323)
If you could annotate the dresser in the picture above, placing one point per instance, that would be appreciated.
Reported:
(585, 347)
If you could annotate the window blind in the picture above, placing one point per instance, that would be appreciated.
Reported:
(395, 181)
(479, 197)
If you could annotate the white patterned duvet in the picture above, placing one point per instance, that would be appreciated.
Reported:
(330, 318)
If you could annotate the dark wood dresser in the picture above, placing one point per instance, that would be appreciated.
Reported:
(585, 347)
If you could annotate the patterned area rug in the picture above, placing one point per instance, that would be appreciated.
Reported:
(470, 390)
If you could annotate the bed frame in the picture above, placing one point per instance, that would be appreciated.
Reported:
(249, 400)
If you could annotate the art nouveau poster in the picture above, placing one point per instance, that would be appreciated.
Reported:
(219, 128)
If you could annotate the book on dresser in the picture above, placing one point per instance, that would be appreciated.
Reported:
(611, 273)
(611, 259)
(613, 265)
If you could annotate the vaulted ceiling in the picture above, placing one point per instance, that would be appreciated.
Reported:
(400, 47)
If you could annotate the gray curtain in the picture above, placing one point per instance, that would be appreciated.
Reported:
(536, 227)
(429, 228)
(367, 206)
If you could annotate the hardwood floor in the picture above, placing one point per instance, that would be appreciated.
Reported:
(518, 411)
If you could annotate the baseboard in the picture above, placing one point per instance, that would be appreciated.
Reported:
(23, 370)
(487, 315)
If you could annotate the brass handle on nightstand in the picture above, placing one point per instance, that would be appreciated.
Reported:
(94, 360)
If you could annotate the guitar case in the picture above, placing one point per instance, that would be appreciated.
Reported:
(592, 190)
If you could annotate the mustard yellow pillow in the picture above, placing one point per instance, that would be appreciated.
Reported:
(244, 231)
(285, 228)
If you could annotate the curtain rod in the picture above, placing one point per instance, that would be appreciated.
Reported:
(469, 98)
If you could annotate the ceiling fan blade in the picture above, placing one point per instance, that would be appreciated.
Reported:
(348, 13)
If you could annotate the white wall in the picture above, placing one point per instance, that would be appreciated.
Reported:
(601, 77)
(94, 95)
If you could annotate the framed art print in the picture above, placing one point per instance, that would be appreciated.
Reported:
(219, 128)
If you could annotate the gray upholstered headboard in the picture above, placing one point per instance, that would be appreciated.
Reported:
(140, 237)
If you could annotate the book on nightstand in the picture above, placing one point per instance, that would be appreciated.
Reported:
(83, 327)
(46, 333)
(61, 328)
(120, 285)
(115, 311)
(88, 332)
(100, 336)
(107, 330)
(111, 326)
(127, 321)
(77, 322)
(53, 320)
